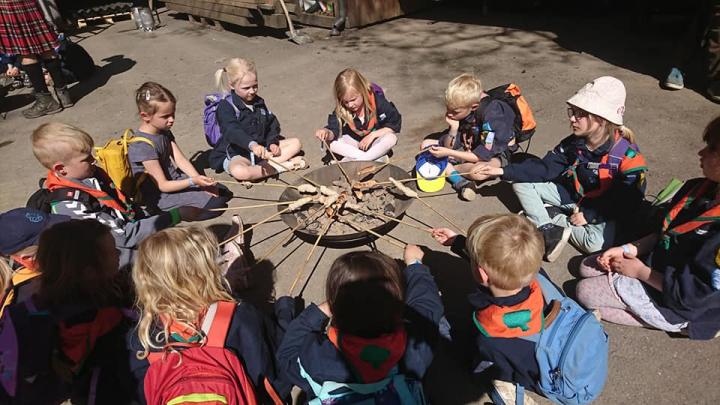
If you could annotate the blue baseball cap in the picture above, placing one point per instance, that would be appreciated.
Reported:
(429, 172)
(21, 227)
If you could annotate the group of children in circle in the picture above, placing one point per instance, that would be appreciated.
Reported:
(80, 267)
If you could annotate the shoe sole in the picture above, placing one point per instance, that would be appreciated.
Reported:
(47, 113)
(672, 86)
(553, 255)
(468, 195)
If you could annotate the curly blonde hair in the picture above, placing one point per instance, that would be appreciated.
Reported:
(177, 276)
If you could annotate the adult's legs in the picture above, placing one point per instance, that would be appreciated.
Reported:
(52, 64)
(45, 103)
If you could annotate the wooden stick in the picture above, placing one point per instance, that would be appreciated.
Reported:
(387, 238)
(254, 226)
(294, 173)
(251, 184)
(307, 259)
(292, 231)
(338, 163)
(275, 204)
(399, 221)
(441, 215)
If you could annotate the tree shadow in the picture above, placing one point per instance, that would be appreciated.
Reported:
(114, 65)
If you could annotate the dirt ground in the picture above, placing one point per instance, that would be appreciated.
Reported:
(412, 58)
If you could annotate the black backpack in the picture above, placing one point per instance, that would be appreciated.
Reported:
(43, 198)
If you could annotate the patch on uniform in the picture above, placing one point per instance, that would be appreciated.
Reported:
(630, 152)
(517, 319)
(383, 116)
(486, 127)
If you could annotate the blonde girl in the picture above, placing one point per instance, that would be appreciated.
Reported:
(364, 125)
(170, 179)
(177, 277)
(251, 146)
(593, 180)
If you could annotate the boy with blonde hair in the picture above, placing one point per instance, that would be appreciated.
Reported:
(481, 129)
(505, 253)
(80, 190)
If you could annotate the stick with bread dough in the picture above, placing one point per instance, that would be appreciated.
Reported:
(299, 203)
(404, 189)
(307, 189)
(327, 191)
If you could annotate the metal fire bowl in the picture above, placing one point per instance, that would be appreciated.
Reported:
(325, 176)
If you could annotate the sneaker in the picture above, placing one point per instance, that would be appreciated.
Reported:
(713, 91)
(556, 238)
(465, 189)
(674, 80)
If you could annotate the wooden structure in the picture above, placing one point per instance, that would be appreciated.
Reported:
(268, 13)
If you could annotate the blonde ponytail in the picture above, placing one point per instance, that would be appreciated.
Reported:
(221, 81)
(627, 133)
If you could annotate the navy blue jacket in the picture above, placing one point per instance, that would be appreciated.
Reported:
(505, 359)
(619, 202)
(686, 266)
(252, 337)
(493, 116)
(387, 117)
(305, 338)
(240, 132)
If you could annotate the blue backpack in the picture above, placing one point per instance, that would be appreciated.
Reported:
(572, 353)
(395, 389)
(210, 124)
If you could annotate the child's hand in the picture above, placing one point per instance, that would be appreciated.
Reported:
(324, 134)
(630, 266)
(440, 151)
(12, 71)
(275, 149)
(203, 181)
(454, 124)
(260, 151)
(367, 141)
(444, 236)
(578, 219)
(482, 172)
(612, 254)
(413, 254)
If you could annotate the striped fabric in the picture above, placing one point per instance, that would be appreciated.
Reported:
(23, 29)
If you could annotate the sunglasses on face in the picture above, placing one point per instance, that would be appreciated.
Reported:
(576, 112)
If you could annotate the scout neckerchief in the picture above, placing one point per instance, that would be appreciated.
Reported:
(370, 359)
(184, 335)
(370, 118)
(116, 202)
(522, 319)
(709, 216)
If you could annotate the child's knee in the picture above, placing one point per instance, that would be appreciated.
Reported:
(585, 292)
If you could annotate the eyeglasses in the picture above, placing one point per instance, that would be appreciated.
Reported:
(577, 113)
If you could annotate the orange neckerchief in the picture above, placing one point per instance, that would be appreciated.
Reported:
(370, 359)
(370, 117)
(182, 334)
(78, 341)
(55, 182)
(711, 215)
(523, 319)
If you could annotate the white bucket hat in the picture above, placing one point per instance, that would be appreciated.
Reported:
(604, 97)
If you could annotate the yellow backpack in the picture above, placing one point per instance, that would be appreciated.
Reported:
(113, 159)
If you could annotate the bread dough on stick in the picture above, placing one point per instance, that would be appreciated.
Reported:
(403, 188)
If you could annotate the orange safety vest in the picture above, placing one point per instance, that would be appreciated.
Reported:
(623, 157)
(709, 216)
(371, 118)
(523, 319)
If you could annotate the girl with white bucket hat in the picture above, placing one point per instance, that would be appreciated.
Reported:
(593, 179)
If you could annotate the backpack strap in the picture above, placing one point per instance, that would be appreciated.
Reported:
(228, 98)
(616, 156)
(220, 315)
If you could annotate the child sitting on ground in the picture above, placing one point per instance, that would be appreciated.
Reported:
(381, 319)
(81, 190)
(18, 244)
(510, 305)
(179, 284)
(591, 182)
(166, 177)
(251, 146)
(482, 129)
(364, 125)
(74, 322)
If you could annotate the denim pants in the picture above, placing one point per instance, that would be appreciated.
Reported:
(588, 238)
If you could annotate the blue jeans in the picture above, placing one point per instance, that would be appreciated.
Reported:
(589, 238)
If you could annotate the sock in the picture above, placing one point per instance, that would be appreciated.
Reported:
(53, 67)
(454, 177)
(35, 74)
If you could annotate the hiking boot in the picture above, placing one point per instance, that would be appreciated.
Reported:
(465, 189)
(713, 92)
(674, 80)
(63, 96)
(45, 104)
(556, 238)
